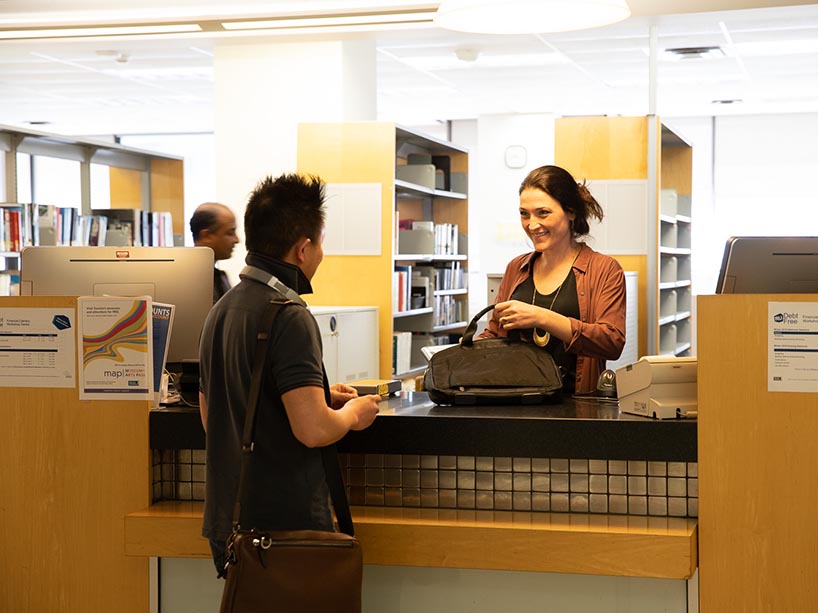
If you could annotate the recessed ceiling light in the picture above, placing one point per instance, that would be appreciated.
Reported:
(727, 101)
(694, 53)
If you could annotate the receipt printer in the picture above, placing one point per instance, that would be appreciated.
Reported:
(658, 386)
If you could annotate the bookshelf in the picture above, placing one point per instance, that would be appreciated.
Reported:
(149, 183)
(675, 289)
(423, 232)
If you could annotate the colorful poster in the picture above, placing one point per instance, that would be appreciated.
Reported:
(37, 347)
(115, 348)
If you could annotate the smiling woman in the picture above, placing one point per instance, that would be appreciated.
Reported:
(563, 296)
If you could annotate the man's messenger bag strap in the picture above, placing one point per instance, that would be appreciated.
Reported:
(329, 454)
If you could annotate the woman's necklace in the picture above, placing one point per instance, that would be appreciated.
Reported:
(542, 340)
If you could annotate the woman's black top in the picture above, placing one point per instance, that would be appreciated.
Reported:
(567, 304)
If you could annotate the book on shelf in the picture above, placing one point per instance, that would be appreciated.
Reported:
(9, 283)
(447, 311)
(56, 225)
(81, 230)
(47, 224)
(446, 239)
(163, 223)
(401, 352)
(402, 288)
(97, 230)
(156, 229)
(65, 224)
(124, 227)
(27, 225)
(421, 296)
(146, 228)
(11, 231)
(449, 275)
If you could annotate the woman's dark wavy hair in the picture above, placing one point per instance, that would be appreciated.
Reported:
(283, 210)
(573, 197)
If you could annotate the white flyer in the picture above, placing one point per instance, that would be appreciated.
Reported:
(37, 347)
(792, 347)
(115, 348)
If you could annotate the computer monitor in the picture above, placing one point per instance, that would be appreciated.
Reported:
(769, 265)
(182, 276)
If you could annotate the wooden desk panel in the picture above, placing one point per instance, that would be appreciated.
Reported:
(70, 470)
(758, 463)
(546, 542)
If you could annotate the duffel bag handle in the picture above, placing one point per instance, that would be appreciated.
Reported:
(468, 335)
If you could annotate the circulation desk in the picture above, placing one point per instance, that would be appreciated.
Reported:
(473, 508)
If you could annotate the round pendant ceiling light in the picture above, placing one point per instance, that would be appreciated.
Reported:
(528, 16)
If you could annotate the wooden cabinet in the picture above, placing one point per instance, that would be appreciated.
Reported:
(423, 230)
(350, 339)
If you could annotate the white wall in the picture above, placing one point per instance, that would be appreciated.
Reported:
(495, 235)
(263, 90)
(751, 176)
(190, 586)
(764, 168)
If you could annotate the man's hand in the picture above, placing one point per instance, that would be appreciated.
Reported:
(341, 394)
(317, 425)
(365, 408)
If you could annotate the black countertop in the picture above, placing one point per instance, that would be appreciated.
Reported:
(410, 423)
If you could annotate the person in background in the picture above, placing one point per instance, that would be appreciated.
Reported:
(298, 410)
(214, 225)
(564, 296)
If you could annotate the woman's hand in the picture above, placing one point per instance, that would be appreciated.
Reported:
(340, 393)
(514, 314)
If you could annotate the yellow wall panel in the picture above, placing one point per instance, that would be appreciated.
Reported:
(677, 169)
(602, 147)
(126, 188)
(168, 191)
(356, 153)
